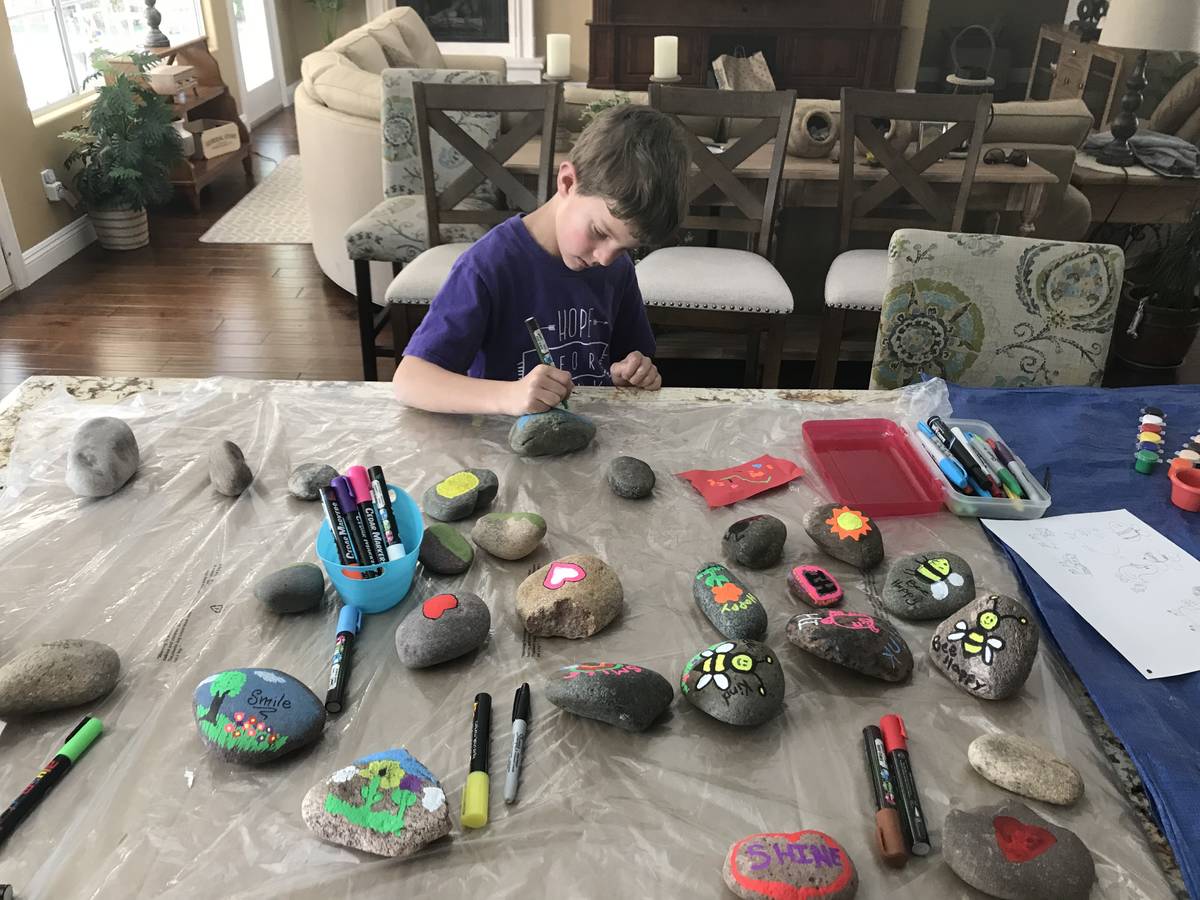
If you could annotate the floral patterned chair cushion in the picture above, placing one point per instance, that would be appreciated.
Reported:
(994, 311)
(395, 230)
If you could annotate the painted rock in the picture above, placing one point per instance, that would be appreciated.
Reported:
(628, 696)
(254, 716)
(442, 628)
(928, 585)
(227, 469)
(736, 682)
(57, 675)
(803, 865)
(630, 478)
(1021, 766)
(445, 551)
(307, 479)
(103, 456)
(987, 648)
(1011, 852)
(387, 804)
(756, 542)
(814, 586)
(461, 494)
(732, 607)
(550, 433)
(292, 589)
(509, 535)
(573, 597)
(855, 640)
(846, 534)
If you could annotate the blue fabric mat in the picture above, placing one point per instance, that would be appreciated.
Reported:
(1086, 436)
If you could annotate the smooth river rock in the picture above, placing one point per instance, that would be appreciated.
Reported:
(1023, 767)
(445, 551)
(858, 641)
(103, 456)
(459, 495)
(255, 716)
(509, 535)
(307, 479)
(846, 534)
(728, 603)
(227, 468)
(630, 478)
(736, 682)
(928, 585)
(292, 589)
(756, 542)
(57, 675)
(550, 433)
(988, 647)
(442, 628)
(622, 694)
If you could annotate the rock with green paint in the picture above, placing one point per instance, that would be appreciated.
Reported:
(445, 551)
(387, 803)
(509, 535)
(254, 716)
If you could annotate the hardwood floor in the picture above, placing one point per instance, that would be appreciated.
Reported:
(179, 307)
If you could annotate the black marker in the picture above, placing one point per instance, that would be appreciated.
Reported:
(889, 833)
(541, 347)
(349, 621)
(964, 456)
(912, 816)
(387, 516)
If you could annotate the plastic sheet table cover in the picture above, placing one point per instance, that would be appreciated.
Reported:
(162, 571)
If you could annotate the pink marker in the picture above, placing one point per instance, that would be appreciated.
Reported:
(361, 484)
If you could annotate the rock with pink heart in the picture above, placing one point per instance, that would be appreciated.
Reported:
(442, 628)
(1009, 851)
(572, 597)
(629, 696)
(802, 865)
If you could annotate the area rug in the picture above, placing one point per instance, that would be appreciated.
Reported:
(275, 212)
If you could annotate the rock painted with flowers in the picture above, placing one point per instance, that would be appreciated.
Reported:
(621, 694)
(845, 533)
(254, 716)
(858, 641)
(387, 803)
(736, 682)
(728, 603)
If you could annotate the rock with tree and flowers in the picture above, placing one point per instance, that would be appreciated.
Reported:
(256, 715)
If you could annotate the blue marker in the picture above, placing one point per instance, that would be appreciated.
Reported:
(349, 621)
(951, 468)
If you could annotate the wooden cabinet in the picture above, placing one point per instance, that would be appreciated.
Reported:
(1066, 68)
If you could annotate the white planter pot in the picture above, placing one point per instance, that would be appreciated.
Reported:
(121, 229)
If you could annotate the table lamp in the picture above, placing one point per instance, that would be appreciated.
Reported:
(1143, 25)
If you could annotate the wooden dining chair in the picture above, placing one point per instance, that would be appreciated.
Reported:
(901, 197)
(715, 288)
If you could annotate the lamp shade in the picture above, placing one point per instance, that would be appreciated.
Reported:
(1152, 25)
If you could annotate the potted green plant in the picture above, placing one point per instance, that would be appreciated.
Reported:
(124, 152)
(1159, 313)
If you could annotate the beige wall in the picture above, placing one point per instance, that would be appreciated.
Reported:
(565, 17)
(303, 32)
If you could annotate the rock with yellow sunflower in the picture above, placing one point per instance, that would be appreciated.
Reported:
(846, 533)
(387, 803)
(733, 608)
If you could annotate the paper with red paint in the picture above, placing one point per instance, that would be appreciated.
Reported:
(720, 487)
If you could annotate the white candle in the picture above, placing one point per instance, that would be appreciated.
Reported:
(558, 55)
(666, 56)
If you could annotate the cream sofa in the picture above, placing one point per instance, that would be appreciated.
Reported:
(337, 122)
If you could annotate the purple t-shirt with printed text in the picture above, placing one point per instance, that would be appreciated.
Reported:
(476, 323)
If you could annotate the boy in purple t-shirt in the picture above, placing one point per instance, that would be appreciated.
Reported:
(565, 264)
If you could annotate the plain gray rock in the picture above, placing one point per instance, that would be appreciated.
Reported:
(550, 433)
(292, 589)
(756, 542)
(307, 479)
(255, 716)
(988, 647)
(728, 603)
(846, 534)
(1009, 851)
(445, 551)
(57, 675)
(572, 597)
(227, 469)
(928, 585)
(442, 628)
(1021, 766)
(103, 456)
(630, 478)
(459, 495)
(736, 682)
(858, 641)
(622, 694)
(509, 535)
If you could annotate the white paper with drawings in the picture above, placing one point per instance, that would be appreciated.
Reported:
(1135, 587)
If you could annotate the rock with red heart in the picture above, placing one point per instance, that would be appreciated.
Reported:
(846, 533)
(442, 628)
(1009, 851)
(572, 597)
(735, 682)
(622, 694)
(729, 604)
(987, 648)
(802, 865)
(858, 641)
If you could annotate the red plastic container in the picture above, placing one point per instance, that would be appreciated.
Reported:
(1185, 487)
(871, 465)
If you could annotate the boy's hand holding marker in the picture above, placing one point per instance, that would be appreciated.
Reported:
(544, 388)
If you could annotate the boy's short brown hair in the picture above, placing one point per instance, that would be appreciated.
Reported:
(635, 159)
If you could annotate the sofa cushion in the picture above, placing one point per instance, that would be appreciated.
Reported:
(395, 50)
(1178, 105)
(347, 88)
(1040, 122)
(416, 36)
(365, 52)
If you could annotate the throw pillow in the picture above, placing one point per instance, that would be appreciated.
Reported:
(395, 50)
(366, 54)
(1181, 101)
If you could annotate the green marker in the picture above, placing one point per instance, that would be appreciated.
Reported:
(541, 347)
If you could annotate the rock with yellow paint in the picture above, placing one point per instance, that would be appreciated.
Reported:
(461, 494)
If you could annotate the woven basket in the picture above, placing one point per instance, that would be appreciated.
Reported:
(121, 229)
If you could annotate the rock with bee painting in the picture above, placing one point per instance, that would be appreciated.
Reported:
(928, 585)
(732, 607)
(855, 640)
(736, 682)
(987, 648)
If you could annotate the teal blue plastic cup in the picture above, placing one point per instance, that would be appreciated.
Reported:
(374, 589)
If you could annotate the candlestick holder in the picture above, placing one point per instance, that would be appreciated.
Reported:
(670, 79)
(556, 79)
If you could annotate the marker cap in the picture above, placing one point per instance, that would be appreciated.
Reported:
(894, 735)
(890, 837)
(475, 800)
(349, 619)
(360, 483)
(82, 739)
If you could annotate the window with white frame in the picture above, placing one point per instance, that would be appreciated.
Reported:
(54, 39)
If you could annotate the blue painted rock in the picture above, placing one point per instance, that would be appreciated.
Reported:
(628, 696)
(732, 607)
(550, 433)
(630, 478)
(386, 803)
(292, 589)
(227, 468)
(987, 648)
(855, 640)
(928, 585)
(803, 865)
(756, 542)
(736, 682)
(442, 628)
(461, 494)
(445, 551)
(572, 597)
(509, 535)
(103, 456)
(57, 675)
(254, 716)
(307, 479)
(846, 534)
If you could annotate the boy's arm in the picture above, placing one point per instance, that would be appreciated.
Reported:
(633, 344)
(427, 386)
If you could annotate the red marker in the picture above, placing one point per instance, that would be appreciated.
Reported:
(913, 818)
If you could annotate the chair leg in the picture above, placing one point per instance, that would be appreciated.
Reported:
(773, 359)
(825, 370)
(366, 319)
(398, 316)
(752, 378)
